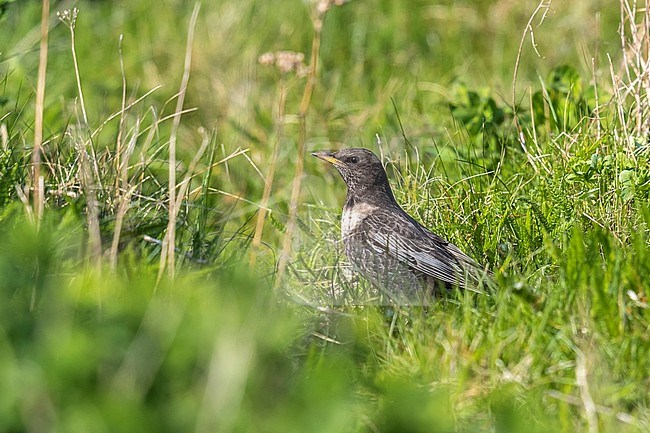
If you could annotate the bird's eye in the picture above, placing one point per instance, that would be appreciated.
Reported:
(353, 159)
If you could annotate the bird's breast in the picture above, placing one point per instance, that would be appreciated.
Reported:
(353, 216)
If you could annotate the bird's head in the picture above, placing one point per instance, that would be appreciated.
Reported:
(360, 169)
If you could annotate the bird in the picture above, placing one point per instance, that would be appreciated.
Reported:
(405, 260)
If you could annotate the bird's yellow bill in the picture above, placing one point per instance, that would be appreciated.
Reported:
(327, 156)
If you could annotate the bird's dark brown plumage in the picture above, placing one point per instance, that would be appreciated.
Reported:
(384, 243)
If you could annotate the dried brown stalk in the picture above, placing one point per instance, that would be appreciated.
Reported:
(312, 78)
(37, 180)
(167, 256)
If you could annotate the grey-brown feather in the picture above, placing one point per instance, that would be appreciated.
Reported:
(393, 233)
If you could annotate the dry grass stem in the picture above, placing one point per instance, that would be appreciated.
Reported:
(4, 136)
(312, 78)
(268, 181)
(634, 81)
(92, 205)
(597, 118)
(237, 197)
(585, 395)
(543, 7)
(191, 171)
(120, 181)
(37, 179)
(24, 198)
(167, 257)
(182, 190)
(123, 196)
(618, 100)
(126, 108)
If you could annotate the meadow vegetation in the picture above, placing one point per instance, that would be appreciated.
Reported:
(170, 255)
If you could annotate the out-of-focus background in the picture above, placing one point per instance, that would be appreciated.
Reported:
(518, 130)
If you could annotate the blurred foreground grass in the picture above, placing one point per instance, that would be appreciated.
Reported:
(551, 190)
(85, 350)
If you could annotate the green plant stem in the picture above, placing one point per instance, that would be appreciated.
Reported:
(84, 113)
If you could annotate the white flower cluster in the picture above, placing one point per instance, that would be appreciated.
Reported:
(285, 61)
(68, 17)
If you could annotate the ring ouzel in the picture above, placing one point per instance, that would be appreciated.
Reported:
(385, 244)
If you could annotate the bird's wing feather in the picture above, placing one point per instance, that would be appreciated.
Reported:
(404, 239)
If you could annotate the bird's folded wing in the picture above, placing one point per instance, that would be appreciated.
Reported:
(420, 250)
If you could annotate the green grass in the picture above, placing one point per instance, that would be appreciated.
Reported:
(91, 344)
